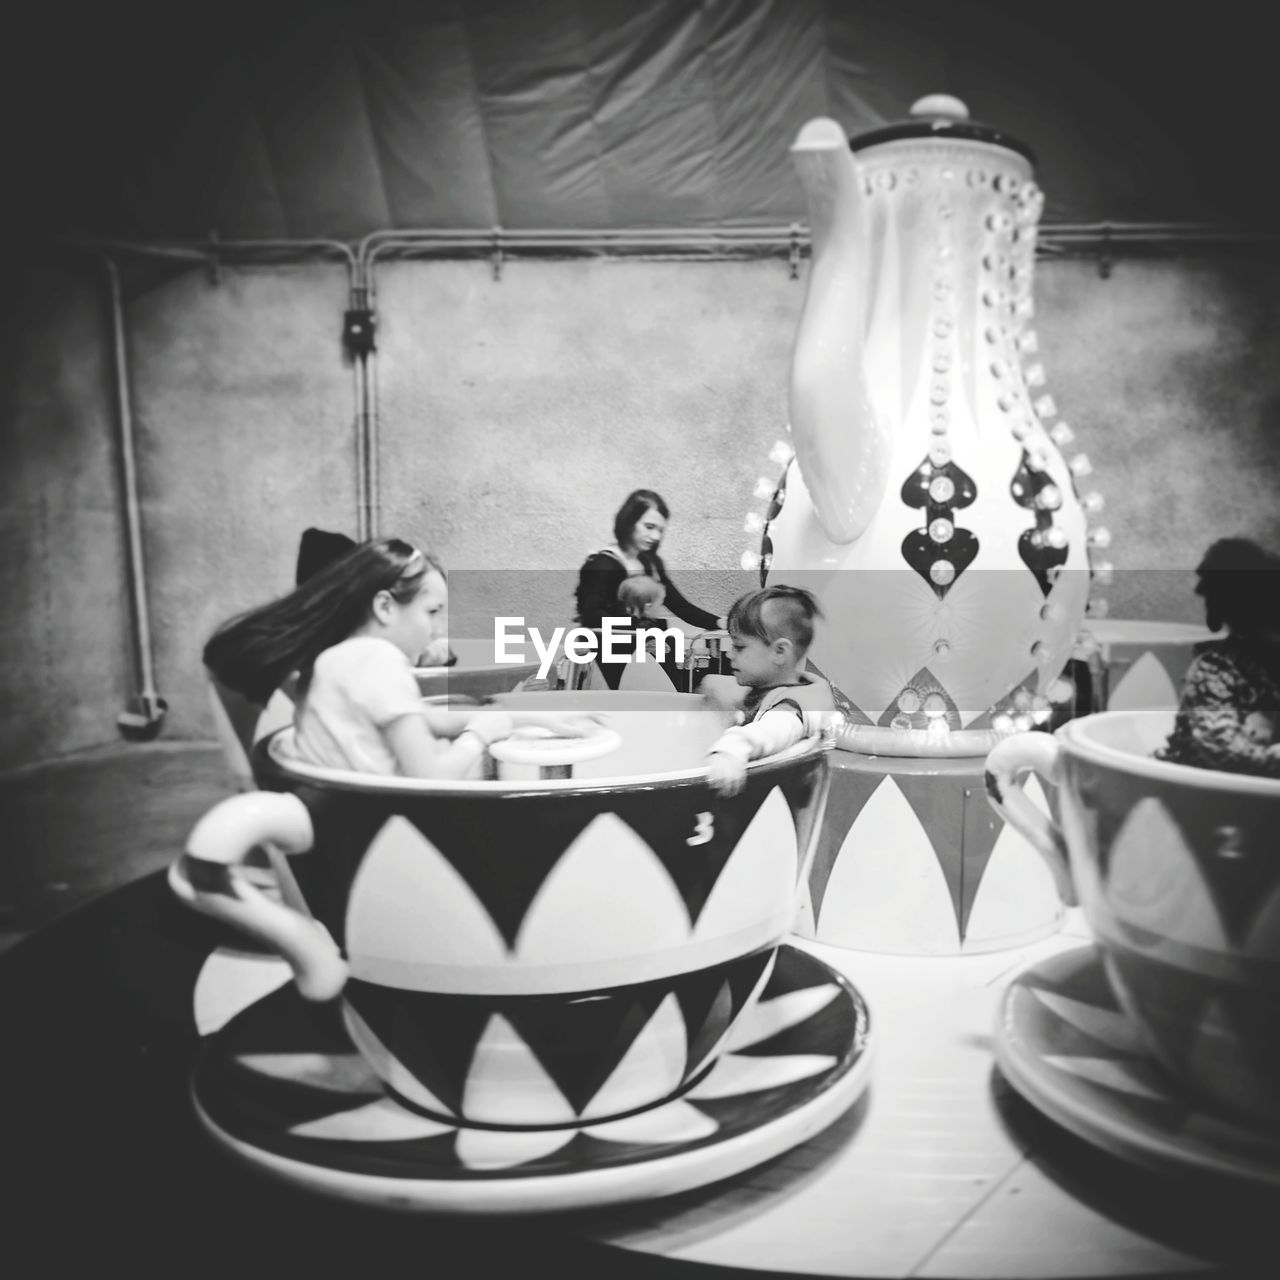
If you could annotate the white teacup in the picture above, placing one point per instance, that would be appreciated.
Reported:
(529, 952)
(1177, 870)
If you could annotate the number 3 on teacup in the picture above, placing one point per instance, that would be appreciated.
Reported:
(704, 828)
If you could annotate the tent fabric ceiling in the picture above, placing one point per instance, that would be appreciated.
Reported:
(334, 120)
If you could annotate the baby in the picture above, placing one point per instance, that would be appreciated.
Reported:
(639, 593)
(770, 632)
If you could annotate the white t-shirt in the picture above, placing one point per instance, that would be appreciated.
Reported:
(357, 688)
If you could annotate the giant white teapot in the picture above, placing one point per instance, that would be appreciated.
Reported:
(929, 504)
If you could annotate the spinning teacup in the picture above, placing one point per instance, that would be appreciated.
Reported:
(1178, 872)
(528, 952)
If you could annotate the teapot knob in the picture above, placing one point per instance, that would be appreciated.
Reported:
(940, 106)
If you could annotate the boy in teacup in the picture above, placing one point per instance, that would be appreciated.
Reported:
(775, 701)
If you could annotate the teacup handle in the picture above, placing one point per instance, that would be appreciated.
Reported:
(1005, 762)
(209, 879)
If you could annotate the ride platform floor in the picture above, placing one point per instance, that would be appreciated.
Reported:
(76, 828)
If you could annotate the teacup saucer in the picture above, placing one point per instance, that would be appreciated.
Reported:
(282, 1087)
(1064, 1044)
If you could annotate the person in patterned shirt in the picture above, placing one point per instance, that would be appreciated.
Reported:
(1229, 713)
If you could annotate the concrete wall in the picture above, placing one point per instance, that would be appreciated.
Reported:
(513, 417)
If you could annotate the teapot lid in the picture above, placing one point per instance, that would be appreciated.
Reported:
(940, 115)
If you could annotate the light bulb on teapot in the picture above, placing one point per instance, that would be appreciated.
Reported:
(765, 487)
(1097, 608)
(1080, 465)
(781, 453)
(750, 560)
(1099, 537)
(1061, 690)
(1061, 434)
(1045, 407)
(1028, 343)
(754, 523)
(1103, 572)
(1093, 502)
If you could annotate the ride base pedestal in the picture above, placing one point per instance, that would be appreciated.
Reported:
(912, 860)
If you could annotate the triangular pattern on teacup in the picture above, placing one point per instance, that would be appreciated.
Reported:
(849, 792)
(607, 896)
(653, 1065)
(1155, 884)
(508, 1085)
(481, 842)
(1015, 891)
(409, 902)
(580, 1042)
(692, 838)
(713, 1026)
(759, 879)
(886, 890)
(1181, 996)
(1263, 939)
(420, 1041)
(406, 1082)
(1236, 1056)
(1145, 685)
(229, 982)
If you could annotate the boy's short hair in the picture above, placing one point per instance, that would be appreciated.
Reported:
(773, 613)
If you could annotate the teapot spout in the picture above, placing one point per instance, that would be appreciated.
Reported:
(841, 442)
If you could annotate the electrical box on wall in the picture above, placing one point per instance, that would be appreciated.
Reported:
(358, 330)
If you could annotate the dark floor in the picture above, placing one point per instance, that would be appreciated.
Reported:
(75, 828)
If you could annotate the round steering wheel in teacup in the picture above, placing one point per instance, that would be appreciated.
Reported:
(554, 756)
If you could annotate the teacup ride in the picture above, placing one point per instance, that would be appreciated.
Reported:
(927, 500)
(705, 652)
(534, 992)
(473, 675)
(1140, 663)
(1161, 1041)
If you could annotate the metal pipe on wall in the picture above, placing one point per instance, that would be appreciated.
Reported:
(1104, 241)
(146, 719)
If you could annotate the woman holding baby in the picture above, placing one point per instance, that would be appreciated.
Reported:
(628, 579)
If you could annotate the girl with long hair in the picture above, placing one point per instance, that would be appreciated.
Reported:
(350, 636)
